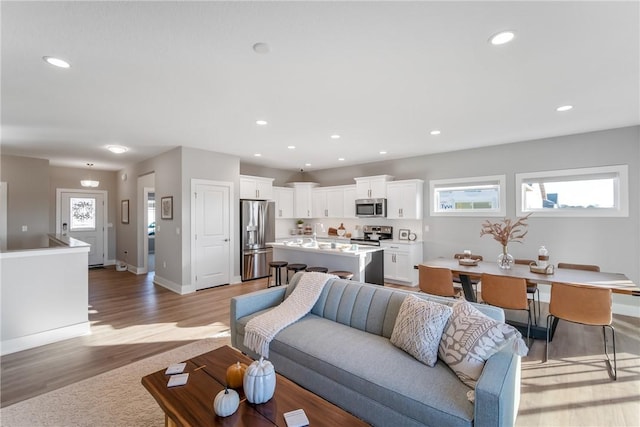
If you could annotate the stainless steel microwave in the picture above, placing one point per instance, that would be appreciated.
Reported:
(371, 208)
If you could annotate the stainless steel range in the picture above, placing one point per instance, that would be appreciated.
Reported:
(373, 234)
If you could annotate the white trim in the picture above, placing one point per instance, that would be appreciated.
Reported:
(232, 248)
(173, 286)
(105, 215)
(3, 216)
(621, 197)
(438, 184)
(46, 337)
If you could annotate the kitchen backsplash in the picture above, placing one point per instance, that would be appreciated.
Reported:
(283, 226)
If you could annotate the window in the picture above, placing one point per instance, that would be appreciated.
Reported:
(599, 191)
(83, 214)
(479, 196)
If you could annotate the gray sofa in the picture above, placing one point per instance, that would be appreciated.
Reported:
(342, 352)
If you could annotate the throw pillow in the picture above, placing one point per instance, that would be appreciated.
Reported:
(418, 328)
(470, 338)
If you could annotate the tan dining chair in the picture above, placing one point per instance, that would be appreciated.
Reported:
(587, 267)
(586, 305)
(532, 289)
(436, 281)
(508, 293)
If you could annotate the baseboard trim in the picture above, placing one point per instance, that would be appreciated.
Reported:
(46, 337)
(173, 286)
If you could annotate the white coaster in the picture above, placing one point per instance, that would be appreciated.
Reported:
(179, 379)
(176, 368)
(296, 418)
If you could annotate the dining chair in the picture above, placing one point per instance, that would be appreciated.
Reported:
(508, 293)
(474, 282)
(586, 305)
(436, 281)
(588, 267)
(532, 289)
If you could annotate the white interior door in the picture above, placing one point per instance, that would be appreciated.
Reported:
(212, 235)
(82, 217)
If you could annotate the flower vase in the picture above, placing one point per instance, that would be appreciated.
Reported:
(505, 259)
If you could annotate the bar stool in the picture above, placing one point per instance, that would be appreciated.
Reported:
(278, 266)
(317, 269)
(343, 274)
(295, 268)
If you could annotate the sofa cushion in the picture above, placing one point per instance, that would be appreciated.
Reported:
(418, 328)
(372, 366)
(470, 338)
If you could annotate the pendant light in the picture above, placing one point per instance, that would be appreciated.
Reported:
(91, 183)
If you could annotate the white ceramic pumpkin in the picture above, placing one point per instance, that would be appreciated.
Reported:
(259, 381)
(226, 402)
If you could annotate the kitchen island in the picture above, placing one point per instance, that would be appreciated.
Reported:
(366, 262)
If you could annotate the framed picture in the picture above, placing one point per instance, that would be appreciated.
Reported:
(403, 234)
(124, 211)
(166, 207)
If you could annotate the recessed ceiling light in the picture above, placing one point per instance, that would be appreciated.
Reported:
(307, 164)
(291, 147)
(257, 155)
(335, 136)
(261, 122)
(341, 159)
(383, 152)
(117, 149)
(564, 108)
(261, 48)
(435, 132)
(56, 62)
(501, 38)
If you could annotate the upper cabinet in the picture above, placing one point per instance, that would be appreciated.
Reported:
(404, 199)
(284, 198)
(256, 187)
(328, 202)
(303, 199)
(372, 187)
(349, 195)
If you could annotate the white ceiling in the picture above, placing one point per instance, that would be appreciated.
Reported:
(155, 75)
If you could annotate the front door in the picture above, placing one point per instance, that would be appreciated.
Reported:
(212, 235)
(82, 217)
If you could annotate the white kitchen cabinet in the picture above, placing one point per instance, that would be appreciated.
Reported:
(284, 202)
(303, 199)
(349, 197)
(328, 202)
(405, 199)
(256, 187)
(399, 259)
(372, 187)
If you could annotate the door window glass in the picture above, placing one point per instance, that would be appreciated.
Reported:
(83, 214)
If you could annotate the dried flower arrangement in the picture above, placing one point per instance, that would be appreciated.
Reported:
(506, 231)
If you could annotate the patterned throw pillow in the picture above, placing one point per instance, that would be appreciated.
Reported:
(418, 328)
(470, 338)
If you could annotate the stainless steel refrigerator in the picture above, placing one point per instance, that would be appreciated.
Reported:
(257, 227)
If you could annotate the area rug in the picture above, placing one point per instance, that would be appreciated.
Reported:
(114, 398)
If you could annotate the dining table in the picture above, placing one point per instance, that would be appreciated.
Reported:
(617, 282)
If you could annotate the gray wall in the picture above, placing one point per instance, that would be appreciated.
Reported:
(27, 201)
(612, 243)
(173, 171)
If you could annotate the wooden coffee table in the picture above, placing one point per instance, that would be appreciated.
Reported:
(192, 404)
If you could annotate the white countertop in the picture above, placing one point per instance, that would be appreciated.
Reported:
(305, 247)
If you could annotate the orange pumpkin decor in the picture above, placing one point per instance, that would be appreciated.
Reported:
(235, 375)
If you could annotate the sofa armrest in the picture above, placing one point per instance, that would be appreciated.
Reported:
(497, 395)
(244, 305)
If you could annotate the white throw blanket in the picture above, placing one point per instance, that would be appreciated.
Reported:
(260, 330)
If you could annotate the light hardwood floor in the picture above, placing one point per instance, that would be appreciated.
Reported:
(132, 319)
